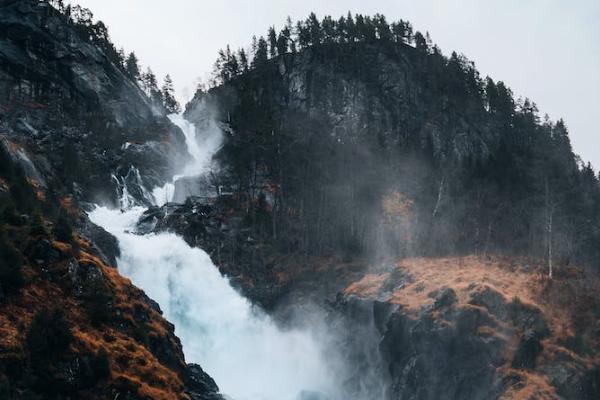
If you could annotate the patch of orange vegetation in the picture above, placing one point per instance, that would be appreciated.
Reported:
(62, 247)
(369, 286)
(68, 204)
(559, 300)
(38, 189)
(132, 361)
(397, 206)
(11, 337)
(129, 359)
(127, 297)
(513, 278)
(528, 386)
(460, 274)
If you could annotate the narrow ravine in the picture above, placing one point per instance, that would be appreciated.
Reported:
(237, 344)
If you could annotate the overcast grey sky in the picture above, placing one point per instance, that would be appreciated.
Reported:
(547, 50)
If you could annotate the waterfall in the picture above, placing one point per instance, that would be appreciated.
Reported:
(201, 147)
(237, 344)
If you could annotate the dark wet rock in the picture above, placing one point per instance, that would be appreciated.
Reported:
(445, 297)
(105, 245)
(381, 314)
(492, 300)
(75, 115)
(223, 235)
(41, 252)
(199, 385)
(528, 317)
(396, 279)
(433, 359)
(527, 351)
(83, 276)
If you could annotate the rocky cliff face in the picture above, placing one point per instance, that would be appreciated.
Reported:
(469, 328)
(74, 129)
(74, 114)
(384, 149)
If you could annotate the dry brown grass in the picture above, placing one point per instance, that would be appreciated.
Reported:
(529, 386)
(563, 302)
(369, 286)
(513, 278)
(129, 360)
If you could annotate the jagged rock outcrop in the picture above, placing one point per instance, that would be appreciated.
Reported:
(76, 116)
(447, 333)
(219, 230)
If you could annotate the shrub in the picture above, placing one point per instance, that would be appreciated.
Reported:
(516, 301)
(97, 302)
(37, 226)
(92, 368)
(4, 386)
(49, 334)
(11, 271)
(62, 230)
(101, 364)
(11, 216)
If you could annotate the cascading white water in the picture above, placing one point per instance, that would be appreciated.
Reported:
(201, 149)
(238, 345)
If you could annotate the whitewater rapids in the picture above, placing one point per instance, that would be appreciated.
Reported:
(249, 357)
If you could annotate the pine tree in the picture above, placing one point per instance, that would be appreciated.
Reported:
(169, 101)
(383, 28)
(289, 32)
(303, 35)
(282, 41)
(328, 30)
(350, 28)
(254, 46)
(314, 29)
(243, 60)
(132, 67)
(272, 42)
(150, 86)
(261, 56)
(421, 42)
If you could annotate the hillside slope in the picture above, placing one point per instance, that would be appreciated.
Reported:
(373, 146)
(75, 128)
(75, 114)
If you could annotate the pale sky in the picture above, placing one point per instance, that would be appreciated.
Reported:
(547, 50)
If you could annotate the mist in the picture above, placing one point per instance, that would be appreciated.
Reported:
(248, 353)
(236, 343)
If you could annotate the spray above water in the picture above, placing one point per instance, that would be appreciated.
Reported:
(201, 144)
(237, 344)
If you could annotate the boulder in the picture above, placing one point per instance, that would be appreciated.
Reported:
(527, 351)
(199, 385)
